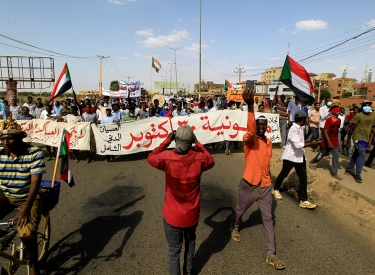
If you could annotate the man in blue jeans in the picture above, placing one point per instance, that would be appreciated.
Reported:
(360, 130)
(183, 169)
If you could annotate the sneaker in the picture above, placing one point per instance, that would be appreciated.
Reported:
(337, 177)
(235, 234)
(358, 178)
(348, 172)
(226, 152)
(307, 204)
(276, 194)
(312, 166)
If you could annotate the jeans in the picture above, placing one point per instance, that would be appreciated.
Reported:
(301, 173)
(335, 158)
(314, 133)
(358, 158)
(175, 237)
(228, 145)
(350, 150)
(339, 137)
(283, 124)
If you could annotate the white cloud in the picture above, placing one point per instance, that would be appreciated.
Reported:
(195, 47)
(282, 30)
(162, 40)
(117, 2)
(371, 23)
(123, 57)
(294, 32)
(372, 47)
(212, 40)
(310, 25)
(147, 32)
(137, 54)
(274, 58)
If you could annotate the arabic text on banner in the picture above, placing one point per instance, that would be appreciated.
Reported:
(133, 87)
(147, 134)
(48, 132)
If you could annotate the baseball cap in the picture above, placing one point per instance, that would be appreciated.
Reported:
(184, 137)
(300, 113)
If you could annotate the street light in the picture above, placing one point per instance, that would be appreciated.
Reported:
(170, 83)
(175, 65)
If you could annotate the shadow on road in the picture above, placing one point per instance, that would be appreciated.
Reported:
(216, 241)
(85, 244)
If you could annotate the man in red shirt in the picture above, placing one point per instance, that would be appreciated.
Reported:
(330, 142)
(256, 182)
(183, 169)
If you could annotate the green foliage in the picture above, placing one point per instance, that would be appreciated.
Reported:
(325, 94)
(114, 86)
(144, 91)
(347, 94)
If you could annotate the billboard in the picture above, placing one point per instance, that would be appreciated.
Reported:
(167, 85)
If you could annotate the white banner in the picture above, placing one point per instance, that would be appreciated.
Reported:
(147, 134)
(134, 88)
(48, 132)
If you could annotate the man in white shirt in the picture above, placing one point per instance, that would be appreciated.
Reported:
(210, 106)
(324, 114)
(294, 157)
(341, 131)
(31, 105)
(293, 108)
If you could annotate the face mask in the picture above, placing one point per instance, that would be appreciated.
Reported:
(165, 107)
(105, 104)
(233, 107)
(131, 114)
(329, 104)
(367, 109)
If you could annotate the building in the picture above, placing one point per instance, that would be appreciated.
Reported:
(208, 88)
(271, 75)
(88, 92)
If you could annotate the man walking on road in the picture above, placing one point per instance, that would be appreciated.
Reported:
(294, 156)
(183, 169)
(256, 182)
(360, 131)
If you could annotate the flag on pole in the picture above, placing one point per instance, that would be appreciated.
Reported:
(64, 151)
(63, 83)
(296, 78)
(156, 64)
(227, 85)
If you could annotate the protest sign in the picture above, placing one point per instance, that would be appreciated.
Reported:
(147, 134)
(134, 88)
(48, 132)
(235, 95)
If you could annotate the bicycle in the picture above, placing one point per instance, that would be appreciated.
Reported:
(9, 240)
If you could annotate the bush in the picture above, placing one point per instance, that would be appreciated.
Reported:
(347, 94)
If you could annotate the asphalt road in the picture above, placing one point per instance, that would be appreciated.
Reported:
(111, 223)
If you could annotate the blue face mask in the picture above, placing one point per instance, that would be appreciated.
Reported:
(366, 109)
(329, 104)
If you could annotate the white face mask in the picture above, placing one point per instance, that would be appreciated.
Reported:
(329, 104)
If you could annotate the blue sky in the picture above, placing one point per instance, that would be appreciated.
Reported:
(253, 34)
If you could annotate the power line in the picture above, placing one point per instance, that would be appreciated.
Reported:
(65, 55)
(118, 70)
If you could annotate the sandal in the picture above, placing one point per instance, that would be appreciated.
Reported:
(275, 262)
(235, 234)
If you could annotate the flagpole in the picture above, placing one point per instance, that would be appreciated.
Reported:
(57, 159)
(151, 79)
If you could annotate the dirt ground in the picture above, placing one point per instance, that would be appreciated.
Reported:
(355, 215)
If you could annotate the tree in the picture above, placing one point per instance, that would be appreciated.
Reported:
(144, 91)
(347, 94)
(114, 86)
(325, 94)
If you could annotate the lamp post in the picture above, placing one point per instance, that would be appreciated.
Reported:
(170, 82)
(175, 65)
(200, 49)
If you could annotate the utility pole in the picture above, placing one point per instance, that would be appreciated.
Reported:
(170, 80)
(101, 73)
(175, 65)
(128, 77)
(239, 72)
(200, 49)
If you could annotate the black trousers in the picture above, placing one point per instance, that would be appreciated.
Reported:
(301, 173)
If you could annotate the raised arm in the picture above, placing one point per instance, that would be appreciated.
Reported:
(248, 97)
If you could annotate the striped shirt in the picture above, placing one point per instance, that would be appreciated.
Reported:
(15, 174)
